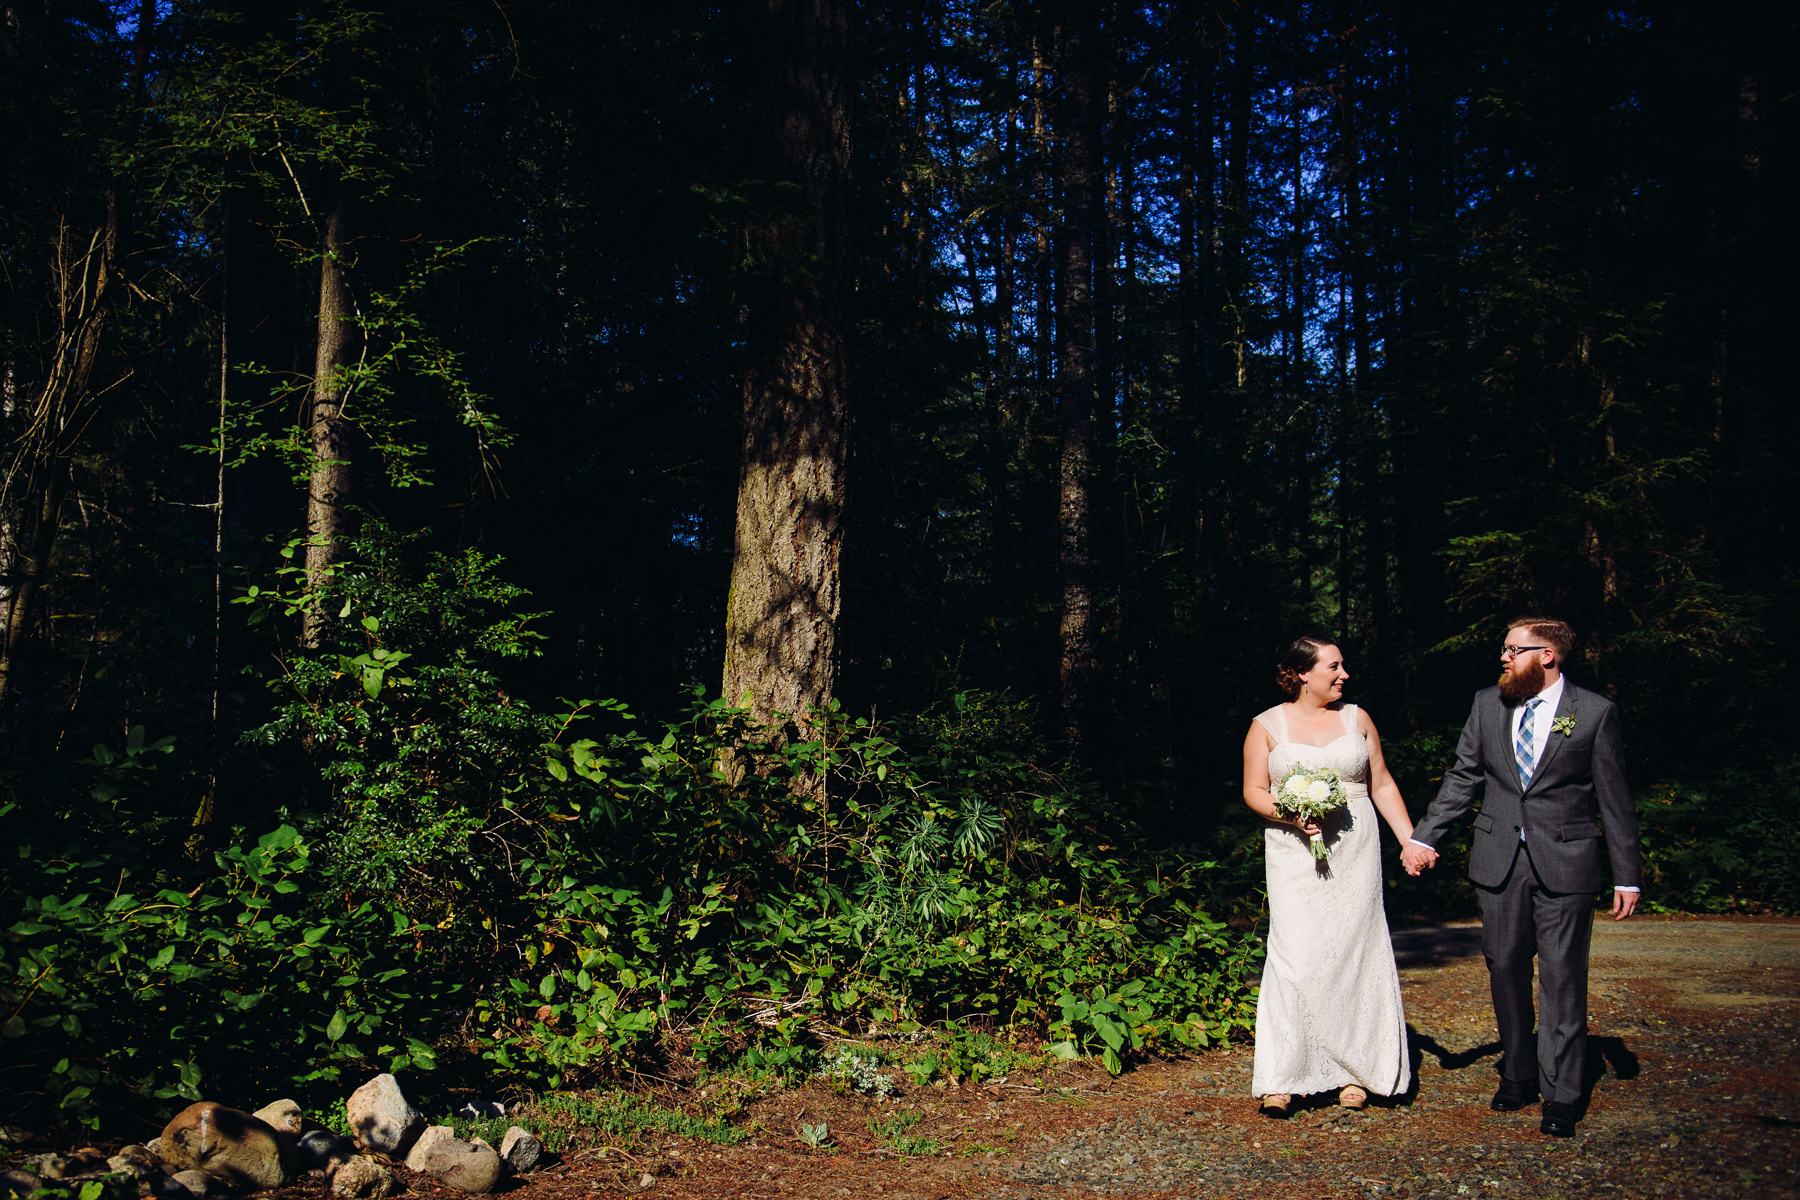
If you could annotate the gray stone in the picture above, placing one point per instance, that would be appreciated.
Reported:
(362, 1178)
(197, 1183)
(131, 1164)
(521, 1149)
(239, 1150)
(428, 1139)
(167, 1187)
(468, 1166)
(20, 1183)
(46, 1166)
(322, 1150)
(487, 1110)
(381, 1117)
(283, 1116)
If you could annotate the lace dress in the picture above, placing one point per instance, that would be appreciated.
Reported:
(1328, 1014)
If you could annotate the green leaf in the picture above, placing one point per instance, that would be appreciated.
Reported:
(337, 1026)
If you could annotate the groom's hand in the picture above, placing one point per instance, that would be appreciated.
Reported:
(1624, 904)
(1416, 858)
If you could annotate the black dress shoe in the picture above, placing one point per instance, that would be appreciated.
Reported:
(1511, 1097)
(1559, 1119)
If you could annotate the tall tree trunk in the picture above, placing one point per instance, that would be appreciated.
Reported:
(331, 483)
(1077, 370)
(781, 616)
(1421, 447)
(37, 478)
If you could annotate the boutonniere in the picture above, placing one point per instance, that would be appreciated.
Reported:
(1564, 726)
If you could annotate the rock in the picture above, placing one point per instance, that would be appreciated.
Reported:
(521, 1149)
(488, 1110)
(167, 1187)
(128, 1164)
(428, 1139)
(283, 1116)
(363, 1179)
(20, 1183)
(46, 1166)
(234, 1147)
(154, 1146)
(470, 1166)
(197, 1183)
(322, 1150)
(381, 1118)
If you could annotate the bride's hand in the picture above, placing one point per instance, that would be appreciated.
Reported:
(1308, 825)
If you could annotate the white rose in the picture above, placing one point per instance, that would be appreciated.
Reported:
(1295, 787)
(1319, 790)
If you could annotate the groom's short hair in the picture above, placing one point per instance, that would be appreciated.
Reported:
(1553, 633)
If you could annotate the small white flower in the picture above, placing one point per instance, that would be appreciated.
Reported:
(1319, 790)
(1295, 786)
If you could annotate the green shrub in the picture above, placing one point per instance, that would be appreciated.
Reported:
(247, 980)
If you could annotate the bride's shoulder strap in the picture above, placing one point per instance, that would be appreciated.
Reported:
(1275, 721)
(1348, 712)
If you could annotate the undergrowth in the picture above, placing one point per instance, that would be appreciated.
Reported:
(566, 893)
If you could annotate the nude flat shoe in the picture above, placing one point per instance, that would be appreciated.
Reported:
(1276, 1105)
(1352, 1097)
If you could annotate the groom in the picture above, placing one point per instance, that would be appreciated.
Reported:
(1545, 757)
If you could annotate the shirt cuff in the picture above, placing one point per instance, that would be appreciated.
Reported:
(1427, 845)
(1622, 888)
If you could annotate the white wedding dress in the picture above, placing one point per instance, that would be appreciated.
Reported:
(1328, 1014)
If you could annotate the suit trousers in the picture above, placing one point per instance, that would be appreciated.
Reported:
(1521, 919)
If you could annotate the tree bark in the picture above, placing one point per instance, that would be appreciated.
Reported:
(781, 616)
(331, 484)
(1076, 368)
(37, 478)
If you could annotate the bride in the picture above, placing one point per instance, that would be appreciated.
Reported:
(1328, 1015)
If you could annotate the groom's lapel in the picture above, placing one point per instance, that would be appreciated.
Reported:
(1503, 741)
(1553, 743)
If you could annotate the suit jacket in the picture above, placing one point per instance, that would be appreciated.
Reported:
(1578, 783)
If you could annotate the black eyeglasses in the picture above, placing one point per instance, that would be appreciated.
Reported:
(1509, 651)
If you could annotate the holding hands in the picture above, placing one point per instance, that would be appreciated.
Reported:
(1416, 857)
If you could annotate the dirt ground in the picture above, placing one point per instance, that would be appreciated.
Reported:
(1693, 1062)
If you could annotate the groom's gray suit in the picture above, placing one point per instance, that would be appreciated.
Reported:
(1537, 893)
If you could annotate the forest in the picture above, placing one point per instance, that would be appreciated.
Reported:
(540, 539)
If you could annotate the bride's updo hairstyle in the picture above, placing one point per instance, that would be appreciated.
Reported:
(1301, 656)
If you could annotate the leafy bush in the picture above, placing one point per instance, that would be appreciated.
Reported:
(584, 893)
(112, 992)
(1724, 844)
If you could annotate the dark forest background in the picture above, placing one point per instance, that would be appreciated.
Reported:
(1168, 331)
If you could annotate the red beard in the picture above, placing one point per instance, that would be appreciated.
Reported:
(1522, 682)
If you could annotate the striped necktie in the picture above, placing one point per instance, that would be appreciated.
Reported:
(1523, 749)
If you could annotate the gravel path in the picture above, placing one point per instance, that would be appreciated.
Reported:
(1694, 1057)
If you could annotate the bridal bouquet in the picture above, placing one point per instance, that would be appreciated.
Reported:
(1311, 792)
